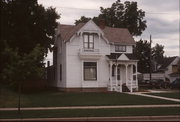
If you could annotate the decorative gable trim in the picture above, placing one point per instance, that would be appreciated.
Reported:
(90, 22)
(123, 57)
(97, 30)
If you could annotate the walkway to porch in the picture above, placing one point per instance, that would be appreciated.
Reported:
(123, 74)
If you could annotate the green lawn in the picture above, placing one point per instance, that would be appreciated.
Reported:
(92, 113)
(46, 99)
(175, 95)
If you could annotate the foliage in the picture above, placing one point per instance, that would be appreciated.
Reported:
(20, 68)
(24, 24)
(83, 19)
(142, 53)
(158, 53)
(27, 31)
(121, 15)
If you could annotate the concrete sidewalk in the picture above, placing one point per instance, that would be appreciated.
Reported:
(92, 107)
(153, 96)
(123, 118)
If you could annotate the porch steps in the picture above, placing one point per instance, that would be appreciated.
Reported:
(125, 88)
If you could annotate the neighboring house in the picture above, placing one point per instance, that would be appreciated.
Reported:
(87, 56)
(171, 67)
(168, 71)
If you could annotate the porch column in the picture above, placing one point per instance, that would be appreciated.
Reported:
(120, 80)
(116, 74)
(131, 90)
(110, 75)
(136, 76)
(126, 74)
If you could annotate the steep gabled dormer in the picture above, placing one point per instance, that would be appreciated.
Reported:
(92, 41)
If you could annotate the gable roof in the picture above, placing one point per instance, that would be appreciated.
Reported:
(118, 35)
(67, 31)
(167, 62)
(115, 56)
(113, 35)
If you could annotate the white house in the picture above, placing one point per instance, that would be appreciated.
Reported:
(87, 56)
(171, 68)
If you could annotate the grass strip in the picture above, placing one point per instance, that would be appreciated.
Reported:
(91, 113)
(58, 99)
(175, 95)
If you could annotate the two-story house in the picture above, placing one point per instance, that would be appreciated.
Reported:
(87, 56)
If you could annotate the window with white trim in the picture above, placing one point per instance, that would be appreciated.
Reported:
(88, 41)
(120, 48)
(90, 71)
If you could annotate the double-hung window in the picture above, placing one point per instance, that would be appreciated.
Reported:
(120, 48)
(90, 71)
(88, 41)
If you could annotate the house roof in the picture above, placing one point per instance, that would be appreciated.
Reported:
(117, 35)
(67, 31)
(114, 35)
(115, 56)
(167, 62)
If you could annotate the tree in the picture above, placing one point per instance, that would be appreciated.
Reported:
(21, 68)
(24, 24)
(83, 19)
(27, 32)
(121, 15)
(158, 53)
(142, 53)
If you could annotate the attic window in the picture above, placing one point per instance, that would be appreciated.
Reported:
(120, 48)
(88, 39)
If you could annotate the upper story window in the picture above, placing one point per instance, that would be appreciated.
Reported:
(88, 41)
(120, 48)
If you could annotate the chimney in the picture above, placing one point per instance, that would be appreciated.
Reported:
(102, 23)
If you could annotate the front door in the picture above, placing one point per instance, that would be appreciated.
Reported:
(118, 73)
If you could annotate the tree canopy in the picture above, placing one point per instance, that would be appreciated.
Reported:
(142, 52)
(121, 15)
(25, 23)
(158, 53)
(27, 32)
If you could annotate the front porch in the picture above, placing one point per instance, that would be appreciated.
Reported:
(123, 74)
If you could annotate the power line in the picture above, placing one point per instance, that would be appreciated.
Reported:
(167, 13)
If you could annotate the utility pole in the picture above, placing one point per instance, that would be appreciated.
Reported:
(19, 97)
(179, 40)
(150, 66)
(179, 28)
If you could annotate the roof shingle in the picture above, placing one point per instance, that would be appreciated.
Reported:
(118, 35)
(114, 35)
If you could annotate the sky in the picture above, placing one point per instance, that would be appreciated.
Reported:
(162, 18)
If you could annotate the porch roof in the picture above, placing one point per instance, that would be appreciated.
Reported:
(115, 56)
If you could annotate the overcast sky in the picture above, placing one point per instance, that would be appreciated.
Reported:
(162, 18)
